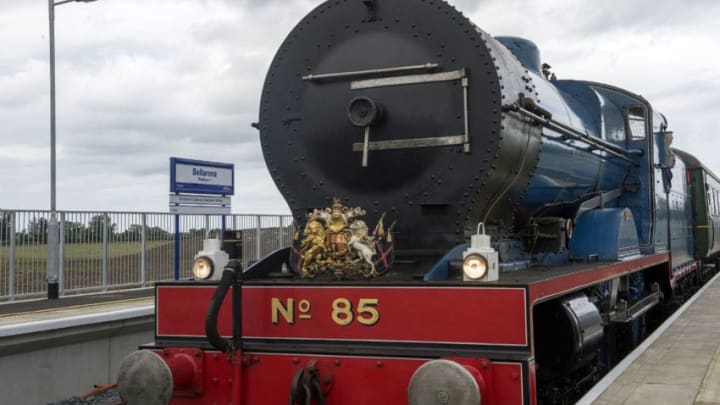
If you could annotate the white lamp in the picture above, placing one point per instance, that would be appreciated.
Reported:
(210, 261)
(480, 260)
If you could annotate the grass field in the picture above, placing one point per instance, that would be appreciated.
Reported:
(83, 264)
(81, 250)
(84, 267)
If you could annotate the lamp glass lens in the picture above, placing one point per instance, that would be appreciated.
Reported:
(475, 266)
(202, 268)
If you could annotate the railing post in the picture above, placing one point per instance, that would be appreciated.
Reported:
(11, 276)
(61, 255)
(52, 235)
(207, 226)
(280, 232)
(104, 252)
(258, 239)
(177, 248)
(143, 251)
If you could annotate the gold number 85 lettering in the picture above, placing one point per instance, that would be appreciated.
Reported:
(367, 311)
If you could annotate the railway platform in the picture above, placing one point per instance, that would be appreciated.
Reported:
(57, 349)
(678, 364)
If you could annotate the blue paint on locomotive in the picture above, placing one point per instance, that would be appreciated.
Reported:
(605, 234)
(441, 270)
(527, 53)
(566, 173)
(566, 170)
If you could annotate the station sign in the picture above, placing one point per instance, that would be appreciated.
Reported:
(201, 177)
(198, 187)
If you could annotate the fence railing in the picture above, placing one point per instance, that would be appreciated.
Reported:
(113, 250)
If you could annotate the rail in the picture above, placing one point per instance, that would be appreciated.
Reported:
(116, 250)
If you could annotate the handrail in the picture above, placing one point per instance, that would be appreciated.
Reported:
(575, 134)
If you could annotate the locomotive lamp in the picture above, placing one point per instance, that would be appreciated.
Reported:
(480, 260)
(210, 258)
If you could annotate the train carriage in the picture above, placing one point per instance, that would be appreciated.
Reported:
(705, 201)
(469, 229)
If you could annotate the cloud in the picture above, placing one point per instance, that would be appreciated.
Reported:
(139, 81)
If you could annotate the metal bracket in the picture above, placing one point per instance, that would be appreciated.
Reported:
(411, 143)
(408, 79)
(428, 67)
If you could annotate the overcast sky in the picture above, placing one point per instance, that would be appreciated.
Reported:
(139, 81)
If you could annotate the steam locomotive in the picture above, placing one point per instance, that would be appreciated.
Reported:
(469, 229)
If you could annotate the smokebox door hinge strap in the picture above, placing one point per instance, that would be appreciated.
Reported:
(419, 79)
(371, 6)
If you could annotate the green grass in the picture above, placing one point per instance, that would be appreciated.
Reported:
(81, 250)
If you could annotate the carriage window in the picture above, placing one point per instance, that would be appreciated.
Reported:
(636, 122)
(710, 199)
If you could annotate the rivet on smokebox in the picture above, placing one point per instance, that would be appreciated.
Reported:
(379, 364)
(295, 360)
(484, 365)
(337, 363)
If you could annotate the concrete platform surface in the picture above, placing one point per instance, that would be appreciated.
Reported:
(12, 324)
(50, 351)
(682, 366)
(14, 307)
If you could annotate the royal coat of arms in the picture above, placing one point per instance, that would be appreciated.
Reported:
(336, 241)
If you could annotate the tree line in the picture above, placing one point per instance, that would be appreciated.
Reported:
(77, 232)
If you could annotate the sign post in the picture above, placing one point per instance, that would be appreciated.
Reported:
(199, 187)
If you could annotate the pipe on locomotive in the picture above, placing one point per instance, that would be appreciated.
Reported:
(230, 276)
(148, 378)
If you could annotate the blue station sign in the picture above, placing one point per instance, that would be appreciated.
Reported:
(201, 177)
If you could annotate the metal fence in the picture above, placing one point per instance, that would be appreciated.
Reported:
(113, 250)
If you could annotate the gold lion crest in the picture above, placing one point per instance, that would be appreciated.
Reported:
(337, 241)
